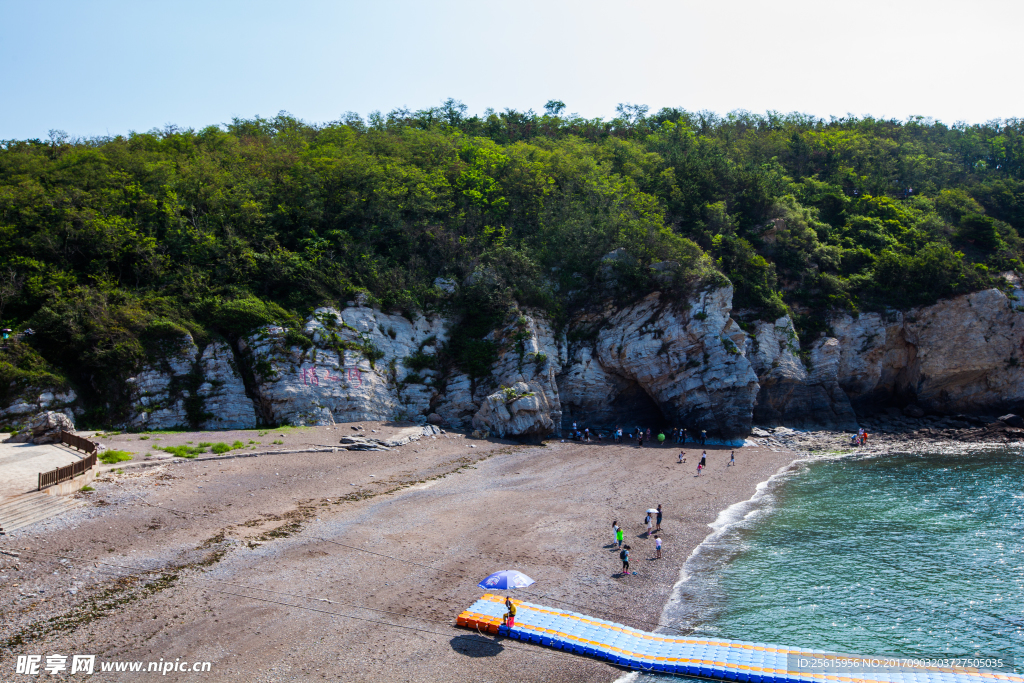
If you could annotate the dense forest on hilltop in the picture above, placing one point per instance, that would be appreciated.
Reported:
(112, 245)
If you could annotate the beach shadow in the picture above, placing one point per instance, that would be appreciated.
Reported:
(476, 646)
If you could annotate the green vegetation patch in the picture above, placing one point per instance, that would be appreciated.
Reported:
(183, 451)
(112, 457)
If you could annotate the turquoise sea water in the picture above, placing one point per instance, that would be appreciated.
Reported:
(917, 554)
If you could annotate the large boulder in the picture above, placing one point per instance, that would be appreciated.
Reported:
(32, 400)
(44, 428)
(521, 410)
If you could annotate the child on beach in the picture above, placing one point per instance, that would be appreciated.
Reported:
(657, 544)
(682, 457)
(624, 556)
(647, 521)
(618, 535)
(732, 459)
(615, 530)
(700, 466)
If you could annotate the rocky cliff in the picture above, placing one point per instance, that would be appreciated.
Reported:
(655, 362)
(662, 361)
(962, 355)
(191, 386)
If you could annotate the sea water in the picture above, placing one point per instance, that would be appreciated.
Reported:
(911, 554)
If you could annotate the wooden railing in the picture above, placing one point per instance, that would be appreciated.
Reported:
(67, 472)
(78, 442)
(74, 469)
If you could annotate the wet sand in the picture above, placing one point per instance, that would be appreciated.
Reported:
(440, 516)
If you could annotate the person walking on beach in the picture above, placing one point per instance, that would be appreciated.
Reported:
(732, 459)
(619, 533)
(624, 556)
(639, 439)
(682, 457)
(510, 615)
(704, 459)
(615, 530)
(703, 437)
(657, 544)
(699, 468)
(647, 521)
(658, 519)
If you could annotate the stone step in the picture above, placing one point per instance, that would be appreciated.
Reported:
(11, 524)
(25, 501)
(31, 508)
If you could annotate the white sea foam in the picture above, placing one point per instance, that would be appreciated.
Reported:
(742, 511)
(731, 515)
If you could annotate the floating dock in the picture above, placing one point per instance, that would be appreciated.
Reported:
(728, 660)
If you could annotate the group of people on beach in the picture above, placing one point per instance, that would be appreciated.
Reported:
(702, 465)
(653, 523)
(675, 436)
(639, 434)
(860, 438)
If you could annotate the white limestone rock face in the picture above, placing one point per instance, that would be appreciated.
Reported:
(222, 390)
(33, 400)
(523, 412)
(160, 392)
(873, 357)
(157, 396)
(529, 351)
(792, 393)
(964, 354)
(355, 370)
(688, 359)
(596, 396)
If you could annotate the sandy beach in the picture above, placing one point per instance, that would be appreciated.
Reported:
(353, 565)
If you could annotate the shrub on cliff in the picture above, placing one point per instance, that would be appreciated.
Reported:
(108, 246)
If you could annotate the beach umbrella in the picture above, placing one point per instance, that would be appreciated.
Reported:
(653, 511)
(506, 579)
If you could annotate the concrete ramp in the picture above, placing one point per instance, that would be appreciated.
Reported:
(30, 508)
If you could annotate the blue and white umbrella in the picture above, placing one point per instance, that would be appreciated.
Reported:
(506, 580)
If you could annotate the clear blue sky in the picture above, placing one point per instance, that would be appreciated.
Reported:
(109, 67)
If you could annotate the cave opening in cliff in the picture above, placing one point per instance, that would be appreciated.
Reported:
(631, 408)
